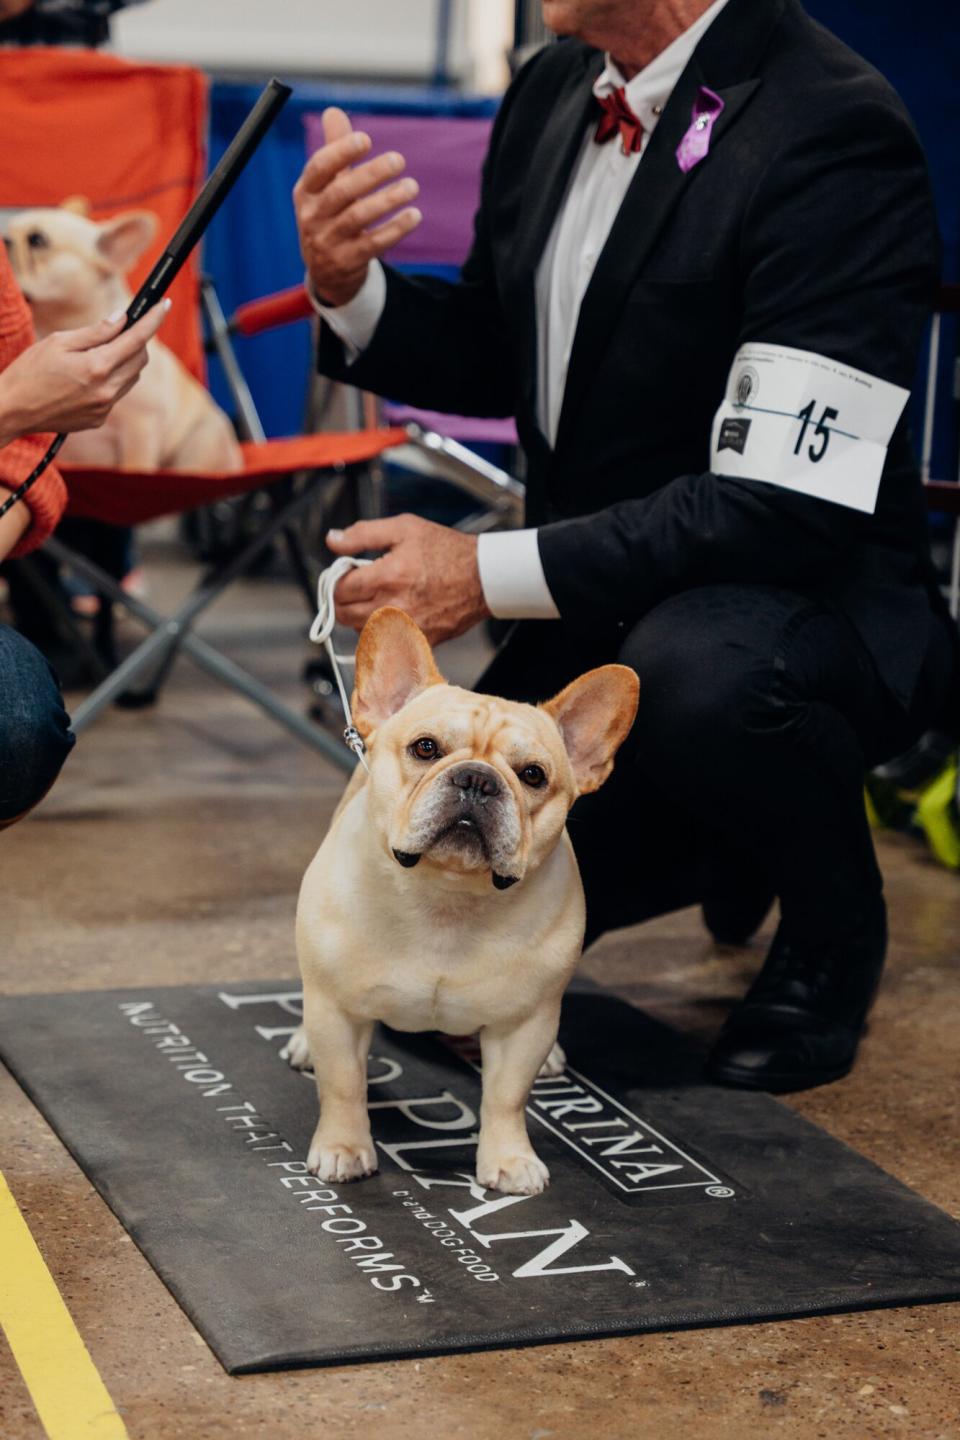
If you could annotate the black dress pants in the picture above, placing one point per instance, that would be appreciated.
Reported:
(760, 712)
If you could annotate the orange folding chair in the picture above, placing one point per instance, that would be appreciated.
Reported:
(125, 134)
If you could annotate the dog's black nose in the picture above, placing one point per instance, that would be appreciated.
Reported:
(480, 782)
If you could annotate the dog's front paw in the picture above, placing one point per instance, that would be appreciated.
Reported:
(296, 1052)
(338, 1160)
(513, 1174)
(555, 1063)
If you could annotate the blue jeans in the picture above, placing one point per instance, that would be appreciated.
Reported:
(35, 734)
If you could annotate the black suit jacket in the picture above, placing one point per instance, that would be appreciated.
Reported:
(809, 224)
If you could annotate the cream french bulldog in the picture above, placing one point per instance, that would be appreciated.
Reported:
(446, 895)
(71, 271)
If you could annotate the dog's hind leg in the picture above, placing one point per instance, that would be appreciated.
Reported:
(296, 1052)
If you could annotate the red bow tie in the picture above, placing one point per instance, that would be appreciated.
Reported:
(617, 116)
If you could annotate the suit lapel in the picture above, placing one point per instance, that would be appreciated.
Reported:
(552, 161)
(551, 164)
(740, 32)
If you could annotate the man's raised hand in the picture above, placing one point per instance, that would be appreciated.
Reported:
(340, 201)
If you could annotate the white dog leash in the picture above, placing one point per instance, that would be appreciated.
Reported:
(321, 631)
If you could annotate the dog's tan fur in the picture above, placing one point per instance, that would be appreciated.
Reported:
(73, 275)
(437, 946)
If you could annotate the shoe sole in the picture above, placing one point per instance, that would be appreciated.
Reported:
(781, 1084)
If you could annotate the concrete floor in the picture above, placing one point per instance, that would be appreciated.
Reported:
(172, 849)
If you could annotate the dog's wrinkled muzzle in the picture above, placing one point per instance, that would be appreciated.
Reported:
(467, 811)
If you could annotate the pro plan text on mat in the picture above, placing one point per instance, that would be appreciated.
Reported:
(672, 1203)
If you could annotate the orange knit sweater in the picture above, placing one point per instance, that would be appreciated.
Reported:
(48, 497)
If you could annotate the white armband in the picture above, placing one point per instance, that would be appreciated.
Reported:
(805, 422)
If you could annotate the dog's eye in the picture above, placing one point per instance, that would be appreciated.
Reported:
(37, 240)
(425, 748)
(534, 776)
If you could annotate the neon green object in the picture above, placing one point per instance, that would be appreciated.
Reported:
(939, 817)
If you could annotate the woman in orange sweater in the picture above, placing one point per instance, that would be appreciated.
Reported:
(69, 381)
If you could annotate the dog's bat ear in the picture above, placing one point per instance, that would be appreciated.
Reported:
(123, 239)
(594, 715)
(76, 205)
(394, 662)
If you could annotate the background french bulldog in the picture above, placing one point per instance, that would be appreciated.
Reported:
(446, 894)
(71, 271)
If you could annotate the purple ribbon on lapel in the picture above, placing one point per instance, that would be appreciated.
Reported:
(695, 145)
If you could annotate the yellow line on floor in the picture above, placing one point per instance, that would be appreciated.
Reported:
(71, 1399)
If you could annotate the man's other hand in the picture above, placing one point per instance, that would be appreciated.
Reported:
(428, 570)
(72, 379)
(339, 203)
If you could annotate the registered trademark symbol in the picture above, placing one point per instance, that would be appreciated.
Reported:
(720, 1192)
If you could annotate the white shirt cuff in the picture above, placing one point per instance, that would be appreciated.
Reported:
(511, 574)
(355, 322)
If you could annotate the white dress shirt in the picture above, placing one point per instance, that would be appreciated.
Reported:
(511, 574)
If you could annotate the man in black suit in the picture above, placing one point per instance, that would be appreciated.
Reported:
(703, 257)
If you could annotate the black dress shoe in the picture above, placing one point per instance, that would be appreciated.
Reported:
(801, 1020)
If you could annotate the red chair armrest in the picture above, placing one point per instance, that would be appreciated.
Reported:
(271, 311)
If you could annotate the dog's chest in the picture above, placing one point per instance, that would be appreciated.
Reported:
(452, 1001)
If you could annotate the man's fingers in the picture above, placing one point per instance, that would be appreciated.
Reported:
(354, 616)
(356, 183)
(360, 586)
(376, 242)
(336, 124)
(365, 213)
(366, 535)
(327, 162)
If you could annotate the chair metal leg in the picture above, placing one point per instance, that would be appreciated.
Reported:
(118, 680)
(170, 633)
(224, 670)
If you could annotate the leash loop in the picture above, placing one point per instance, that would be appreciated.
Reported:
(321, 633)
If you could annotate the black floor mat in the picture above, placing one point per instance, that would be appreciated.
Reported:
(673, 1203)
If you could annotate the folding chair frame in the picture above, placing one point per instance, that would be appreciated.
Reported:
(169, 635)
(942, 495)
(440, 458)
